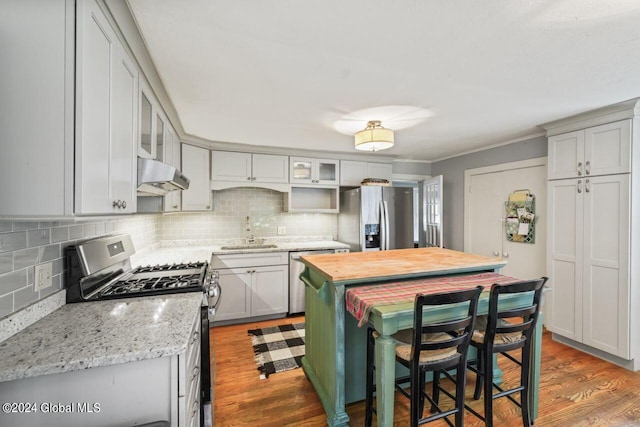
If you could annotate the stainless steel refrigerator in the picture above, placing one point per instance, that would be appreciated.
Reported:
(374, 218)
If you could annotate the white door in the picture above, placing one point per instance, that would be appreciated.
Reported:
(526, 260)
(432, 215)
(487, 190)
(485, 207)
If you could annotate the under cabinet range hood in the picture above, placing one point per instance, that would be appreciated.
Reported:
(157, 179)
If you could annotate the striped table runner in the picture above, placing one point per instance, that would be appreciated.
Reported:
(361, 299)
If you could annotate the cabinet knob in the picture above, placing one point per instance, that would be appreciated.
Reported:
(587, 167)
(175, 206)
(579, 187)
(118, 203)
(124, 204)
(208, 207)
(587, 187)
(579, 168)
(248, 178)
(505, 254)
(496, 253)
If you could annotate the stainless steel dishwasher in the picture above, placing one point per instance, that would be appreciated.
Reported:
(296, 286)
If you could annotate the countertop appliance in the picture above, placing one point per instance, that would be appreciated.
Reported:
(100, 268)
(374, 218)
(297, 286)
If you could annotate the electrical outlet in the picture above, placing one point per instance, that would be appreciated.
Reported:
(282, 230)
(43, 276)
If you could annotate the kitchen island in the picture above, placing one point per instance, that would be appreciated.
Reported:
(335, 346)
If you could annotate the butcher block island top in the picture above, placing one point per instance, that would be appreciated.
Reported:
(396, 264)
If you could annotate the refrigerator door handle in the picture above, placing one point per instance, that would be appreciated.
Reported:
(383, 226)
(388, 229)
(384, 220)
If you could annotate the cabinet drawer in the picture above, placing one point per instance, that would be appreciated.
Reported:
(249, 260)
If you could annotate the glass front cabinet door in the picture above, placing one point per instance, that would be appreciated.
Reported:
(306, 170)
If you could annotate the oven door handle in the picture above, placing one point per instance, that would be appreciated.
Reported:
(216, 292)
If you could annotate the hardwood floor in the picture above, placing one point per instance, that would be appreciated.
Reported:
(576, 390)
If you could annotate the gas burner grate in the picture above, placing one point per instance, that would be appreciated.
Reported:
(169, 267)
(145, 285)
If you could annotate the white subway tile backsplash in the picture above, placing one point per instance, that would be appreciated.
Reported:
(6, 263)
(26, 258)
(38, 237)
(15, 280)
(25, 225)
(59, 234)
(24, 297)
(10, 242)
(51, 252)
(76, 232)
(6, 305)
(24, 244)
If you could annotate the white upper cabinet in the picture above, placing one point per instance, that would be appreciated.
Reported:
(195, 165)
(270, 168)
(151, 135)
(598, 150)
(173, 199)
(106, 125)
(353, 172)
(248, 167)
(36, 107)
(230, 166)
(306, 170)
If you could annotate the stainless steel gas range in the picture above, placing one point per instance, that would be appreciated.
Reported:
(100, 269)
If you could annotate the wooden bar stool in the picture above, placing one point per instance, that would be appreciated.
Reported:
(495, 334)
(432, 347)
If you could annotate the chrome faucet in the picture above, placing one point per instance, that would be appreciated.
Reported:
(250, 240)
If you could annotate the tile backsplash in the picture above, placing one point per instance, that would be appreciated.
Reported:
(25, 244)
(229, 218)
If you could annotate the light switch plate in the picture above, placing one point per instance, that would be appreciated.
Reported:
(43, 276)
(282, 230)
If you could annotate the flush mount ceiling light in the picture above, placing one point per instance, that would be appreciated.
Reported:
(374, 137)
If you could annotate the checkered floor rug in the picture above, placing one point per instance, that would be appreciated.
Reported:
(278, 348)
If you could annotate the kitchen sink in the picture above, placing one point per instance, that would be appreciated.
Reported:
(248, 247)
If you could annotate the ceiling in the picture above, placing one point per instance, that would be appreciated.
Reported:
(448, 76)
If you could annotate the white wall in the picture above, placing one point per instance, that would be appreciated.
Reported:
(453, 180)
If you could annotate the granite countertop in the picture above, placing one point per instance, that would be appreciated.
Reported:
(191, 251)
(91, 334)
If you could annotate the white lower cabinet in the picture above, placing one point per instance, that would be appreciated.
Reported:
(253, 285)
(125, 394)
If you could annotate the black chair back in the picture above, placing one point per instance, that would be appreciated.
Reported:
(460, 330)
(521, 320)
